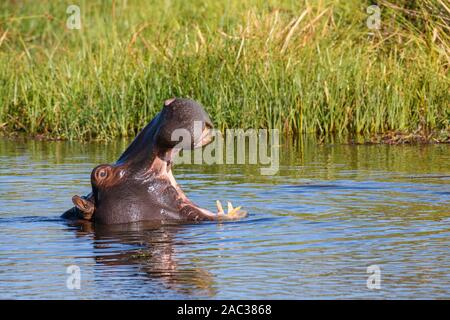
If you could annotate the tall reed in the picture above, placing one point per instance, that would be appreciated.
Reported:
(301, 66)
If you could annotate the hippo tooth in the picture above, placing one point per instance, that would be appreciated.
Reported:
(230, 207)
(219, 206)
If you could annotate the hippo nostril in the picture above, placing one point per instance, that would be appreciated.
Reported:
(102, 174)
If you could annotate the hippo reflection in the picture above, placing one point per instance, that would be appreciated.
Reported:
(154, 254)
(140, 186)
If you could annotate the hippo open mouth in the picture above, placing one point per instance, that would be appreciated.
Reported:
(140, 186)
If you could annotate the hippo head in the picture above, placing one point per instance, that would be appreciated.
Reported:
(140, 186)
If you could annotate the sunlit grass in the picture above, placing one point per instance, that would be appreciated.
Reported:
(301, 66)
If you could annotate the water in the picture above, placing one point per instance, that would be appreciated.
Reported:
(313, 229)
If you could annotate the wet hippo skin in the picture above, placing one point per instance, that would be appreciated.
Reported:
(140, 186)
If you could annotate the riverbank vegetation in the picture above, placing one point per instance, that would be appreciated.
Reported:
(301, 66)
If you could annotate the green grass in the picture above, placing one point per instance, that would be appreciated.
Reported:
(248, 62)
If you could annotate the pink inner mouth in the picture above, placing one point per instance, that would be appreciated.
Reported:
(163, 168)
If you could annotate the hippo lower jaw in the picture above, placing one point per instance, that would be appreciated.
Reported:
(193, 209)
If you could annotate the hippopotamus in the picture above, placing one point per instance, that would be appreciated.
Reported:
(140, 186)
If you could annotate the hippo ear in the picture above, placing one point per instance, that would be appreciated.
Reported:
(86, 207)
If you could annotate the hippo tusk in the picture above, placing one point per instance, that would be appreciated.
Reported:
(232, 214)
(219, 207)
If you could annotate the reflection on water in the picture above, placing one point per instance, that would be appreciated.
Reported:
(313, 229)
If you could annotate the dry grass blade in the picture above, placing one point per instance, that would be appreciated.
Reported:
(292, 30)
